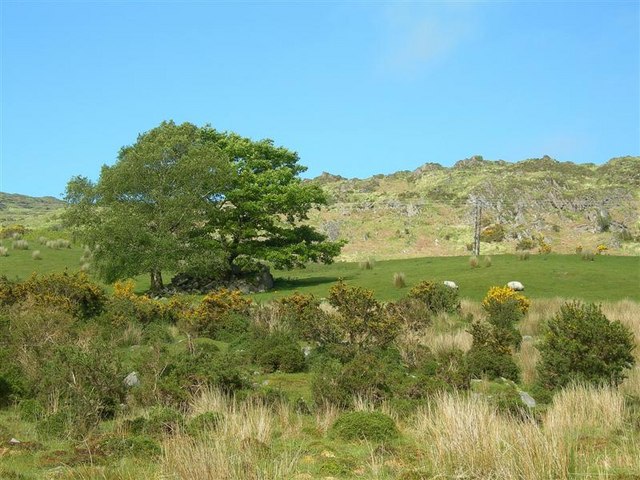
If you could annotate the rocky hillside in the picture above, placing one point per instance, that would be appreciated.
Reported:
(430, 211)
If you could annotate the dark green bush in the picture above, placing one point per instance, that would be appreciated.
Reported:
(204, 423)
(581, 344)
(413, 313)
(490, 354)
(436, 296)
(164, 421)
(56, 425)
(31, 410)
(446, 371)
(373, 375)
(484, 362)
(131, 446)
(6, 392)
(277, 351)
(183, 373)
(372, 426)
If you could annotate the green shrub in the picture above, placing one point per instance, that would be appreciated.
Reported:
(445, 371)
(204, 423)
(181, 374)
(164, 421)
(581, 344)
(436, 296)
(525, 244)
(361, 318)
(370, 426)
(484, 362)
(31, 410)
(131, 446)
(6, 391)
(413, 313)
(75, 293)
(278, 352)
(490, 353)
(373, 375)
(56, 425)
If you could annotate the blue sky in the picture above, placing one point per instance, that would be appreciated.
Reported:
(356, 88)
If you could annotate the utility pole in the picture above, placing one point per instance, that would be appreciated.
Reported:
(476, 231)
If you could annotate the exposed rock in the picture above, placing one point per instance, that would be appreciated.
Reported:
(527, 399)
(259, 280)
(132, 380)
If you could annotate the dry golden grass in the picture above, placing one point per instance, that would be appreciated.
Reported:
(578, 409)
(224, 457)
(631, 385)
(527, 358)
(326, 415)
(466, 438)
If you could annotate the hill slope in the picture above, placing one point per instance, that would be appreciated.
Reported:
(430, 211)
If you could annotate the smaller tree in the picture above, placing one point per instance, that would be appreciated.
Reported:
(581, 344)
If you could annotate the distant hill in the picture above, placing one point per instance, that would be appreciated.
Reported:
(429, 211)
(33, 212)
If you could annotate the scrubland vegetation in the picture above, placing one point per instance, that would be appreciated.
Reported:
(426, 386)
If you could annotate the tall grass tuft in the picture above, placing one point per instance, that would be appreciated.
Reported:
(399, 280)
(523, 255)
(474, 262)
(487, 261)
(467, 438)
(580, 409)
(36, 255)
(20, 245)
(367, 264)
(4, 251)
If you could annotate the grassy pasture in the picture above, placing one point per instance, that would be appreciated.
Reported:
(544, 276)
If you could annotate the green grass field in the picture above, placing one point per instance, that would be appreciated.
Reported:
(544, 276)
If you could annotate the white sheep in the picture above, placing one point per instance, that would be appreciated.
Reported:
(516, 286)
(450, 284)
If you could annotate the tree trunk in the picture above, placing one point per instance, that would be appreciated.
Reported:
(156, 280)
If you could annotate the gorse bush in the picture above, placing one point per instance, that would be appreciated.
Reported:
(207, 318)
(361, 319)
(436, 296)
(492, 233)
(490, 354)
(525, 244)
(371, 426)
(499, 295)
(73, 293)
(581, 344)
(11, 231)
(124, 305)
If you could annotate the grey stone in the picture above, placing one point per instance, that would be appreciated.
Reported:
(527, 399)
(132, 380)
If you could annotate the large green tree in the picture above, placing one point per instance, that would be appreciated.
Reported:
(190, 199)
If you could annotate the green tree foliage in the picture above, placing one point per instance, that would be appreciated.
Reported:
(190, 199)
(581, 344)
